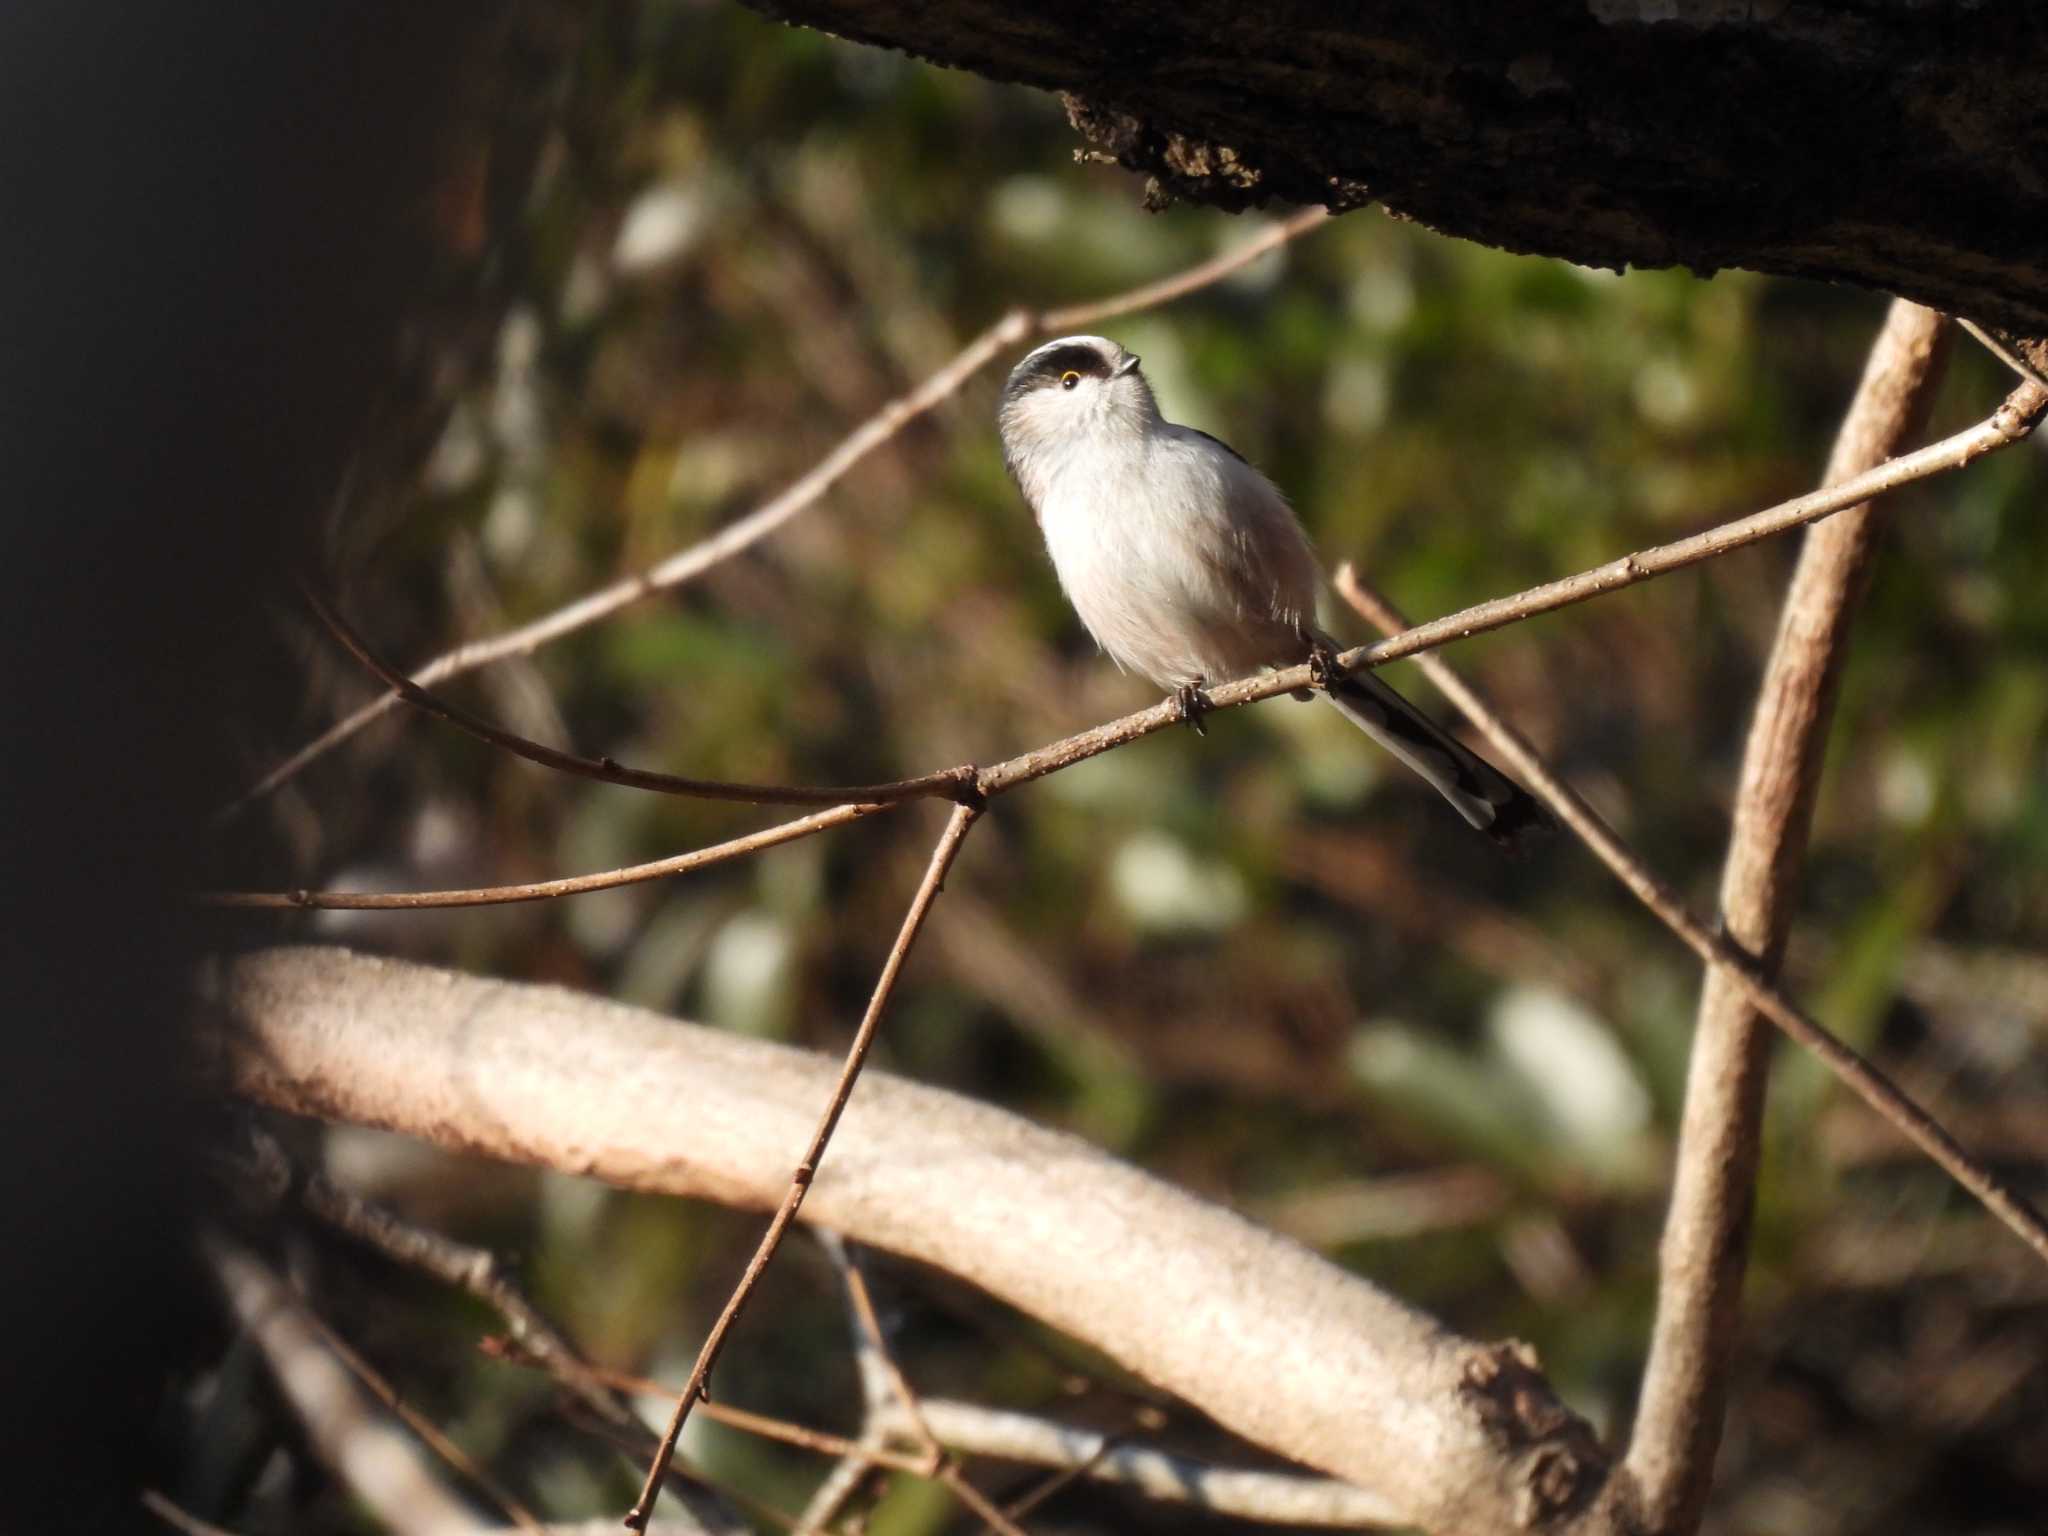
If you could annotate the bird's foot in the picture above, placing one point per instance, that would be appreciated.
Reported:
(1322, 664)
(1193, 704)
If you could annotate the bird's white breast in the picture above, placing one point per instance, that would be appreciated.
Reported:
(1181, 559)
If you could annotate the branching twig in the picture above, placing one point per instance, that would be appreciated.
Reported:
(831, 1495)
(533, 1340)
(948, 848)
(2010, 424)
(430, 1433)
(950, 783)
(824, 1442)
(543, 890)
(1277, 1498)
(474, 1270)
(2000, 347)
(1720, 1140)
(892, 1401)
(1869, 1084)
(1016, 326)
(871, 1347)
(370, 1458)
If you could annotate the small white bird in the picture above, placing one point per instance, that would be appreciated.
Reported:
(1189, 567)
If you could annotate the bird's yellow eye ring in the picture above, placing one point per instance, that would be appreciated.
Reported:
(1069, 379)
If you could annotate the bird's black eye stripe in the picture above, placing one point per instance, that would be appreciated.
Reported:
(1056, 365)
(1063, 367)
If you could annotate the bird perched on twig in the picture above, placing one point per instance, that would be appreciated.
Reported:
(1189, 567)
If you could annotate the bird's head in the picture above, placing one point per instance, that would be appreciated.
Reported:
(1078, 391)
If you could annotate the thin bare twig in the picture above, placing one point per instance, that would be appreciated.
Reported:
(1999, 347)
(1865, 1080)
(855, 1460)
(954, 1481)
(2011, 423)
(1280, 1498)
(832, 1494)
(1051, 1487)
(957, 826)
(430, 1433)
(375, 1382)
(1202, 274)
(892, 1401)
(474, 1270)
(373, 1460)
(533, 1340)
(824, 1442)
(543, 890)
(873, 1348)
(685, 565)
(687, 1480)
(948, 783)
(1720, 1139)
(2015, 418)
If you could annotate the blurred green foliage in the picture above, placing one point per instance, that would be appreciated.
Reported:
(1266, 963)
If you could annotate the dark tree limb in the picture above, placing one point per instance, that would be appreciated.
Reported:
(1897, 147)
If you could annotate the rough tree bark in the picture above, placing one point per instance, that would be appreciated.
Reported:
(1895, 146)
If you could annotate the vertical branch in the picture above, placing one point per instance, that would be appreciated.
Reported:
(948, 848)
(1678, 1425)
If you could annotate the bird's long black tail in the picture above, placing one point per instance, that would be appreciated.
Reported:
(1478, 791)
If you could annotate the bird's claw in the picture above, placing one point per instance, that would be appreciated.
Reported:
(1193, 704)
(1322, 665)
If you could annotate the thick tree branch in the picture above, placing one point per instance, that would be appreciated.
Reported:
(1270, 1340)
(1720, 1142)
(1610, 132)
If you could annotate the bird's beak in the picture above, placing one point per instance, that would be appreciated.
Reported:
(1127, 365)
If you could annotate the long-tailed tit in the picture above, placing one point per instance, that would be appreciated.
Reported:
(1188, 567)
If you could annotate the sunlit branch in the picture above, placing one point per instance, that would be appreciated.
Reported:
(1570, 808)
(1247, 1327)
(1720, 1139)
(2009, 424)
